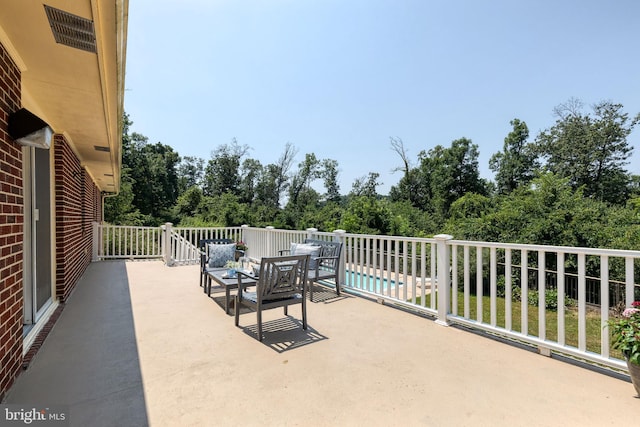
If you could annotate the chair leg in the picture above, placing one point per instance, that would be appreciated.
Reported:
(237, 311)
(259, 311)
(310, 285)
(304, 314)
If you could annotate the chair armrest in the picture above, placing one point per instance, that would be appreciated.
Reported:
(283, 251)
(239, 275)
(318, 260)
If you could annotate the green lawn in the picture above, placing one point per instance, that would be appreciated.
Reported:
(593, 325)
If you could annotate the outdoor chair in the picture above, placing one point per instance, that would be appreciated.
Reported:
(324, 265)
(214, 254)
(281, 283)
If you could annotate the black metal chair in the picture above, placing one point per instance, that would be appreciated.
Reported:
(281, 283)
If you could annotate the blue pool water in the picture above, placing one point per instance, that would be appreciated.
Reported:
(369, 282)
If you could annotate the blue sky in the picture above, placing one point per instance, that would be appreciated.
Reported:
(338, 78)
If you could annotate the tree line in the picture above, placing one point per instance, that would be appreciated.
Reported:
(569, 185)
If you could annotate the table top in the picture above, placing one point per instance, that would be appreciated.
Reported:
(220, 276)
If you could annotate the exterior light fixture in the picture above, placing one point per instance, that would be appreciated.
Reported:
(28, 129)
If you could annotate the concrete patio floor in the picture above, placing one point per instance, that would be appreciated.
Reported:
(139, 343)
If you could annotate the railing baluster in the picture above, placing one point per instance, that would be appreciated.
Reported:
(467, 283)
(561, 298)
(454, 280)
(582, 303)
(629, 282)
(604, 305)
(508, 290)
(542, 324)
(493, 268)
(524, 290)
(479, 290)
(423, 272)
(433, 282)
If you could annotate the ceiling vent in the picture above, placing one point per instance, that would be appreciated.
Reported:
(71, 30)
(101, 148)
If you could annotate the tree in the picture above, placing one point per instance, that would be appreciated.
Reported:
(330, 176)
(366, 186)
(446, 174)
(189, 202)
(308, 171)
(222, 173)
(190, 173)
(275, 179)
(366, 215)
(161, 182)
(250, 173)
(413, 186)
(150, 174)
(515, 165)
(590, 150)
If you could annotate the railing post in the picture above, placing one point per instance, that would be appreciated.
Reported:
(311, 232)
(166, 243)
(443, 266)
(243, 238)
(270, 236)
(339, 237)
(96, 241)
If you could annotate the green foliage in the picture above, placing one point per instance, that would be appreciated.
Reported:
(590, 150)
(550, 299)
(440, 192)
(625, 331)
(222, 173)
(515, 165)
(224, 210)
(407, 220)
(365, 215)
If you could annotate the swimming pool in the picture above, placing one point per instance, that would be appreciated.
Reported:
(368, 282)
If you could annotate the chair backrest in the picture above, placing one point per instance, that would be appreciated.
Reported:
(203, 245)
(330, 251)
(282, 277)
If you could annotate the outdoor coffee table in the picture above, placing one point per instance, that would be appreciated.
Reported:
(228, 283)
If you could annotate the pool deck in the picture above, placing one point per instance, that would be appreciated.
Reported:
(139, 343)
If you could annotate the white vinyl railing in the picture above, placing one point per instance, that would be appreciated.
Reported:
(127, 242)
(555, 298)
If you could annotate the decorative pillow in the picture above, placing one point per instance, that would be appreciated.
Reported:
(219, 254)
(306, 249)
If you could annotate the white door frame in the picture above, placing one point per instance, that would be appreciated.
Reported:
(31, 215)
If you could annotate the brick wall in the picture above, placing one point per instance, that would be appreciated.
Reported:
(78, 204)
(11, 228)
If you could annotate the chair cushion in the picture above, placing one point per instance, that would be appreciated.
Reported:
(322, 274)
(306, 249)
(219, 254)
(253, 297)
(250, 296)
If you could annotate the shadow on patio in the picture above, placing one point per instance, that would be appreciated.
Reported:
(89, 362)
(359, 363)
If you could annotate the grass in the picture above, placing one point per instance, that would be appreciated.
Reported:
(594, 329)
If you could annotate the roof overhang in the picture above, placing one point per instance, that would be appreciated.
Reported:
(78, 92)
